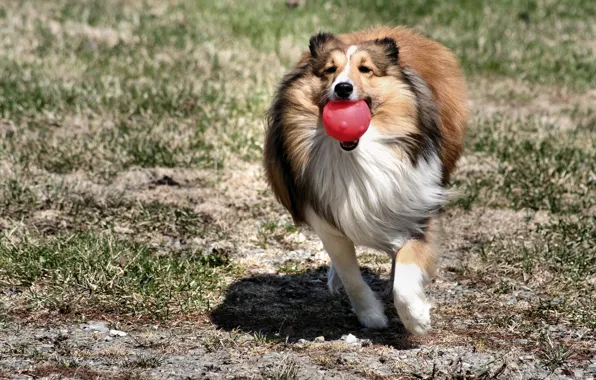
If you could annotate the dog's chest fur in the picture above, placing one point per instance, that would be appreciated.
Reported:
(373, 196)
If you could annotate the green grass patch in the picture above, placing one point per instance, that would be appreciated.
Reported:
(561, 251)
(513, 38)
(536, 166)
(99, 272)
(76, 210)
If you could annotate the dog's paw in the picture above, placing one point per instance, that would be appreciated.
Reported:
(409, 299)
(372, 315)
(413, 311)
(333, 281)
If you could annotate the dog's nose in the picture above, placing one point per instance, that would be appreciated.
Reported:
(343, 90)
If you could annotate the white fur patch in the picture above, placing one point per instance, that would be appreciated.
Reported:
(375, 198)
(409, 298)
(344, 76)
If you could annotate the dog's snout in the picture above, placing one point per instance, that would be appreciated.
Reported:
(344, 90)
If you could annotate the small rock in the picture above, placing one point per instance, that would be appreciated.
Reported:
(96, 326)
(319, 339)
(254, 251)
(108, 338)
(298, 253)
(123, 230)
(302, 341)
(117, 333)
(349, 339)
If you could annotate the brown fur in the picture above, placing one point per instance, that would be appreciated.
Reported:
(422, 252)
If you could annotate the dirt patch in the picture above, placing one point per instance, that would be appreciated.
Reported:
(552, 106)
(156, 352)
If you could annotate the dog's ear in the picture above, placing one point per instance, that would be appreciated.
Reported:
(389, 47)
(318, 41)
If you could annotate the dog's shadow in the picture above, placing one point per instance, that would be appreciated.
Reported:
(299, 306)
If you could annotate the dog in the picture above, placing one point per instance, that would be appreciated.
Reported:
(386, 190)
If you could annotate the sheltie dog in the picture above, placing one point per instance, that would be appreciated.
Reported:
(385, 190)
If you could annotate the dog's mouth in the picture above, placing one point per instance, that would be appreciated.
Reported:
(348, 145)
(367, 100)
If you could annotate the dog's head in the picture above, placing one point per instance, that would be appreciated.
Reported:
(368, 71)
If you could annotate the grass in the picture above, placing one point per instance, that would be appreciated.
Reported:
(286, 369)
(75, 208)
(80, 272)
(511, 38)
(537, 166)
(130, 146)
(558, 258)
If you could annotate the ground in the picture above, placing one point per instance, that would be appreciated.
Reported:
(138, 238)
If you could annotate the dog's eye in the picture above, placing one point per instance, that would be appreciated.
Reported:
(330, 70)
(364, 69)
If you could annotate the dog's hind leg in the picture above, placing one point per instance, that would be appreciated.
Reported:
(415, 266)
(341, 250)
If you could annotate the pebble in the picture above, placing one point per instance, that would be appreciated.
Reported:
(349, 339)
(302, 341)
(319, 339)
(254, 251)
(117, 333)
(96, 326)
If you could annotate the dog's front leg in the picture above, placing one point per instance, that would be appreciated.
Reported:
(341, 250)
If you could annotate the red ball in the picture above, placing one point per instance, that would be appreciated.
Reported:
(346, 121)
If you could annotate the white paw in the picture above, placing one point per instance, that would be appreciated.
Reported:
(333, 281)
(409, 298)
(414, 311)
(372, 314)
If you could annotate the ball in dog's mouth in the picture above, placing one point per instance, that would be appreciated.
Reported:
(348, 145)
(346, 121)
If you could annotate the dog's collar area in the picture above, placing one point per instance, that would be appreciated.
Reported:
(348, 145)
